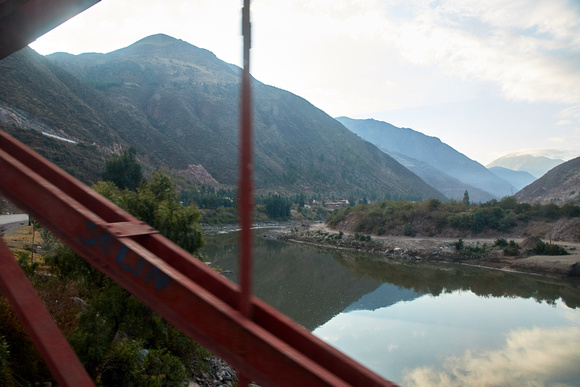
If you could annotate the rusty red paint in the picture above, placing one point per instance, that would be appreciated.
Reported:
(53, 347)
(267, 346)
(22, 22)
(263, 344)
(245, 187)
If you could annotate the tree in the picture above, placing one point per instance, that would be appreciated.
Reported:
(466, 198)
(120, 340)
(124, 170)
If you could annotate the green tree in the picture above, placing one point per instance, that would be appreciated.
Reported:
(156, 203)
(115, 329)
(277, 207)
(466, 198)
(124, 170)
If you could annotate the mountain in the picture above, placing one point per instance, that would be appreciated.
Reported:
(431, 151)
(535, 165)
(384, 296)
(519, 179)
(447, 185)
(559, 185)
(178, 105)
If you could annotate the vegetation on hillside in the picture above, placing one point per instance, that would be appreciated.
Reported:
(124, 170)
(433, 217)
(82, 161)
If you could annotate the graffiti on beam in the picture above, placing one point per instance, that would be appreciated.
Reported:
(139, 267)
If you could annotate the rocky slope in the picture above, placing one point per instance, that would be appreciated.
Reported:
(177, 105)
(560, 185)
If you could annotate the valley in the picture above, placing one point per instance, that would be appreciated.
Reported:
(177, 105)
(385, 243)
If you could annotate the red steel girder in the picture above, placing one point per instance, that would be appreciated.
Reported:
(267, 346)
(23, 21)
(55, 350)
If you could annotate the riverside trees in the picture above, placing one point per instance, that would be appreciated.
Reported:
(432, 217)
(119, 340)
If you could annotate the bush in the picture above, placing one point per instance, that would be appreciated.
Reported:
(408, 230)
(28, 267)
(543, 248)
(500, 242)
(512, 250)
(459, 245)
(477, 251)
(6, 377)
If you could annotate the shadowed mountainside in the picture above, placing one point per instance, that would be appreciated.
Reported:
(519, 179)
(432, 151)
(560, 185)
(178, 105)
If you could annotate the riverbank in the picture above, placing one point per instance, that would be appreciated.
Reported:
(472, 251)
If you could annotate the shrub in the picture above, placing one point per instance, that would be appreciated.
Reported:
(24, 262)
(512, 250)
(477, 250)
(500, 242)
(6, 377)
(459, 245)
(543, 248)
(408, 230)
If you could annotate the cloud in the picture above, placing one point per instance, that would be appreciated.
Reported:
(355, 57)
(530, 48)
(569, 115)
(111, 24)
(530, 357)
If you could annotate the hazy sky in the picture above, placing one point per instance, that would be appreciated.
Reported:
(486, 77)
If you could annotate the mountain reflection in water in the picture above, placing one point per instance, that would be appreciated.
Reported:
(421, 324)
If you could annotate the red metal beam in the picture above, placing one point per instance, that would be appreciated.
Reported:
(55, 350)
(267, 346)
(23, 21)
(245, 188)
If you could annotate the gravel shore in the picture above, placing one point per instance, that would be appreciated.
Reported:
(475, 251)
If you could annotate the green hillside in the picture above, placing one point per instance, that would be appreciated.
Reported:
(178, 105)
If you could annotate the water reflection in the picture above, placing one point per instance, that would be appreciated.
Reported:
(307, 285)
(537, 356)
(442, 340)
(421, 324)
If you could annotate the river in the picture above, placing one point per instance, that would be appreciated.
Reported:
(418, 323)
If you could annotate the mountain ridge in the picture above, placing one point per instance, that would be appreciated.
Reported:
(560, 185)
(537, 166)
(519, 179)
(178, 112)
(430, 150)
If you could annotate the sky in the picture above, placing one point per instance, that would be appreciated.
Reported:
(488, 78)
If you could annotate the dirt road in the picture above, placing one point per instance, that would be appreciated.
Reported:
(10, 222)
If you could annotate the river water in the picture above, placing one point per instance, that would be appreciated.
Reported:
(418, 323)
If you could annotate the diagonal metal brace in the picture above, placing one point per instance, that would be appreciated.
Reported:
(42, 329)
(130, 229)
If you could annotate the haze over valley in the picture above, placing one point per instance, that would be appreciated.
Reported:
(178, 106)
